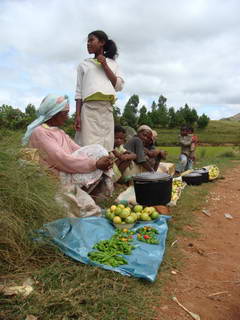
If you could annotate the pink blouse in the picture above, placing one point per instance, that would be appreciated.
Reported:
(56, 148)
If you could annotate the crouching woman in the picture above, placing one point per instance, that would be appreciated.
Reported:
(81, 170)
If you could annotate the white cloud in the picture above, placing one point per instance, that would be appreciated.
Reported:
(186, 50)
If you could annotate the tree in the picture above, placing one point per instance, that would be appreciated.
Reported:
(116, 114)
(190, 115)
(130, 112)
(154, 106)
(144, 117)
(30, 113)
(12, 118)
(203, 121)
(31, 110)
(172, 121)
(162, 110)
(180, 121)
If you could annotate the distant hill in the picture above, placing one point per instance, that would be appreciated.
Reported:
(233, 118)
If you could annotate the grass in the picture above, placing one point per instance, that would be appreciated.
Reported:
(205, 154)
(65, 289)
(218, 132)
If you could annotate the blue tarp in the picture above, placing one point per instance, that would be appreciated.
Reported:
(76, 238)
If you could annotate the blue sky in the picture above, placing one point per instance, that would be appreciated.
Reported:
(186, 50)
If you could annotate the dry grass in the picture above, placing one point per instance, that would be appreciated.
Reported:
(26, 202)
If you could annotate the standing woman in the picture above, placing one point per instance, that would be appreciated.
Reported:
(98, 79)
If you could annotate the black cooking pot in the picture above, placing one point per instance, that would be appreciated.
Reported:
(204, 173)
(193, 178)
(152, 188)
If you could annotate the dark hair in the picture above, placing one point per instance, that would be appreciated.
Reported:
(119, 129)
(109, 49)
(190, 129)
(184, 128)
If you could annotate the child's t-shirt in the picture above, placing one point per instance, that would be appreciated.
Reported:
(120, 149)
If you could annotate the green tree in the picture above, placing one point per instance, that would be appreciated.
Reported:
(203, 121)
(154, 106)
(129, 116)
(180, 121)
(144, 117)
(31, 110)
(30, 113)
(12, 118)
(162, 111)
(172, 121)
(116, 114)
(190, 115)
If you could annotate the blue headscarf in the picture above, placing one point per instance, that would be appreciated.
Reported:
(50, 106)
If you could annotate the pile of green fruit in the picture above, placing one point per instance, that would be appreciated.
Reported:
(120, 214)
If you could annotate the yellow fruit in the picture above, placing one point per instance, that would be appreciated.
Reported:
(130, 219)
(113, 208)
(138, 215)
(122, 206)
(144, 216)
(138, 208)
(124, 213)
(134, 215)
(147, 210)
(118, 211)
(117, 220)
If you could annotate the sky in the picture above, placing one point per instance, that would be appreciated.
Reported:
(187, 51)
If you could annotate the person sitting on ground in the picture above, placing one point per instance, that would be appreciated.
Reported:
(193, 147)
(80, 169)
(123, 157)
(185, 162)
(154, 155)
(137, 146)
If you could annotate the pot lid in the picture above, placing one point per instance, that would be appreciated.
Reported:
(201, 171)
(192, 174)
(151, 176)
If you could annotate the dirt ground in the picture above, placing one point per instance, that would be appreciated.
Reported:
(209, 282)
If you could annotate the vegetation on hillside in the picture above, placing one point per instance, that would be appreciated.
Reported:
(159, 116)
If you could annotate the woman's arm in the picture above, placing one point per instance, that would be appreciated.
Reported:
(77, 123)
(56, 157)
(111, 76)
(78, 98)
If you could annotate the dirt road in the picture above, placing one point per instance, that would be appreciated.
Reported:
(209, 283)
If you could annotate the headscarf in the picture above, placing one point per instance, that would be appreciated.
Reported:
(50, 106)
(144, 127)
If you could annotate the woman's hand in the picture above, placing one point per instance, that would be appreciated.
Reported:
(104, 163)
(163, 154)
(102, 59)
(77, 123)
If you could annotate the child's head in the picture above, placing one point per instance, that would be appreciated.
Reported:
(190, 130)
(184, 131)
(99, 43)
(146, 136)
(119, 136)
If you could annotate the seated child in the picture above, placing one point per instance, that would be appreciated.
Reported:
(139, 145)
(123, 157)
(154, 155)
